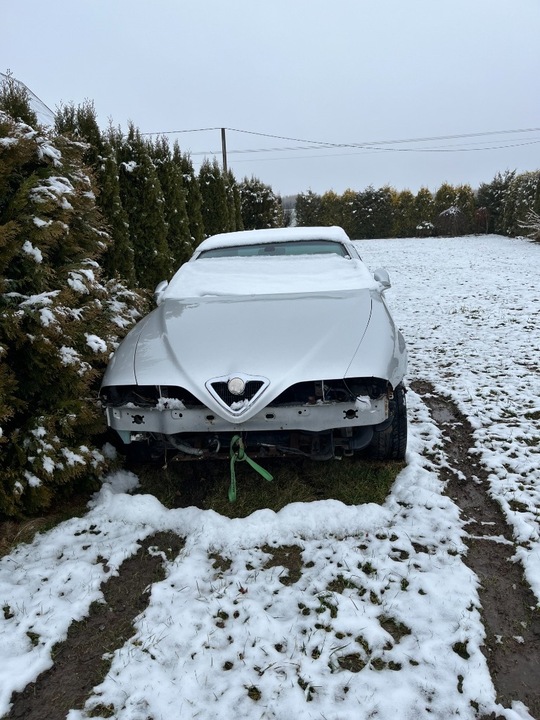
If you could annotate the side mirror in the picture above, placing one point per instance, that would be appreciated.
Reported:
(383, 278)
(160, 289)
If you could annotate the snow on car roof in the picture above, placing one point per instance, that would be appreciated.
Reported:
(274, 235)
(268, 276)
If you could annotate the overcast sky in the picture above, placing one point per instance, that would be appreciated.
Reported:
(341, 72)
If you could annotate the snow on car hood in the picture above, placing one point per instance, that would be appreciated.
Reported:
(285, 338)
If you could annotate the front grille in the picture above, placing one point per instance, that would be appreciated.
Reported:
(146, 395)
(222, 391)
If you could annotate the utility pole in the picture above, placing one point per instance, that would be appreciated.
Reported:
(224, 150)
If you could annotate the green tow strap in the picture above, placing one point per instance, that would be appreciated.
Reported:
(238, 454)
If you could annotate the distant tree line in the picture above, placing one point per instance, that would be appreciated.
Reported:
(508, 205)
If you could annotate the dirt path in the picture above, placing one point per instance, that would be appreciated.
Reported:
(512, 624)
(78, 662)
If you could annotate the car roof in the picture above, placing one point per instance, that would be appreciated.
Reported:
(273, 235)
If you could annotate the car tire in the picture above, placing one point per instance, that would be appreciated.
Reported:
(390, 438)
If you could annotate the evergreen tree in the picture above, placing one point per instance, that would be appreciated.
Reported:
(308, 209)
(351, 218)
(234, 202)
(260, 207)
(65, 119)
(58, 320)
(15, 101)
(331, 209)
(520, 200)
(215, 210)
(143, 200)
(492, 196)
(405, 215)
(118, 259)
(444, 198)
(171, 180)
(466, 202)
(424, 208)
(81, 123)
(377, 212)
(193, 197)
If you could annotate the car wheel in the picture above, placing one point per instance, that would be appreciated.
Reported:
(390, 438)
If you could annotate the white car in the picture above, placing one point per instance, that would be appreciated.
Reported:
(281, 337)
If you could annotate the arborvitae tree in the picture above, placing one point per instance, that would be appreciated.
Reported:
(331, 209)
(81, 122)
(15, 101)
(351, 220)
(193, 197)
(58, 321)
(143, 200)
(234, 202)
(377, 212)
(65, 119)
(260, 207)
(118, 259)
(491, 196)
(215, 211)
(405, 216)
(444, 198)
(172, 184)
(308, 209)
(423, 203)
(466, 202)
(454, 209)
(520, 199)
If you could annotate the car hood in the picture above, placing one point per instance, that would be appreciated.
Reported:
(283, 338)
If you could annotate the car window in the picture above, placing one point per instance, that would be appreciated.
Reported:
(296, 247)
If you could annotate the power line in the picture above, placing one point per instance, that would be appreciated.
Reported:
(174, 132)
(368, 149)
(365, 144)
(391, 142)
(374, 150)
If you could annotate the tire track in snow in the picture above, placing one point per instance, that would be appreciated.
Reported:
(511, 618)
(79, 662)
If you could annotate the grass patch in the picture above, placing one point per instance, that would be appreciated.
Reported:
(254, 693)
(205, 484)
(287, 556)
(18, 532)
(460, 648)
(353, 662)
(394, 627)
(340, 584)
(221, 564)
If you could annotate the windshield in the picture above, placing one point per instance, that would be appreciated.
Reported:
(295, 247)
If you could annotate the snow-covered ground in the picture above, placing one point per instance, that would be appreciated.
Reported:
(376, 624)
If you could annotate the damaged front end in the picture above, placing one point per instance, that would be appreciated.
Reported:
(318, 419)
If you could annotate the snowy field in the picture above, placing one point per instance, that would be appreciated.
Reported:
(372, 627)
